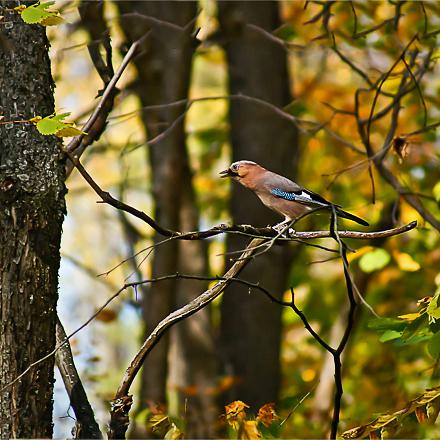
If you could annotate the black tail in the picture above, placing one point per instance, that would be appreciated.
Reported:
(347, 215)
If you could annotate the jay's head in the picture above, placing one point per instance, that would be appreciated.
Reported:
(243, 171)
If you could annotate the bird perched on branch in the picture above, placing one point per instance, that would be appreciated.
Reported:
(281, 194)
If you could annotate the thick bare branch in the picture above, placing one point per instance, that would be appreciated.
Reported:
(118, 425)
(85, 426)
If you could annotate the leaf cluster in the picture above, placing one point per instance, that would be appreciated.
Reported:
(38, 14)
(422, 326)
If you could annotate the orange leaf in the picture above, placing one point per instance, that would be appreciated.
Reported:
(374, 435)
(235, 413)
(267, 415)
(106, 315)
(227, 382)
(421, 414)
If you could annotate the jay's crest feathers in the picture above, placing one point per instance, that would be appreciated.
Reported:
(279, 193)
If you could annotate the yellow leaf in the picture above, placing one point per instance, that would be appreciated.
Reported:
(359, 252)
(174, 433)
(388, 423)
(52, 20)
(20, 8)
(159, 423)
(409, 316)
(69, 131)
(36, 119)
(250, 431)
(235, 408)
(235, 413)
(406, 262)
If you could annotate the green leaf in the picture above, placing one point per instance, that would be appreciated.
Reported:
(38, 14)
(55, 124)
(374, 260)
(434, 346)
(51, 124)
(387, 324)
(414, 326)
(436, 191)
(296, 108)
(418, 338)
(286, 32)
(433, 309)
(390, 335)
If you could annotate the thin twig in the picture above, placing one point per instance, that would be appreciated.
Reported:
(307, 325)
(108, 93)
(228, 278)
(297, 405)
(350, 322)
(336, 353)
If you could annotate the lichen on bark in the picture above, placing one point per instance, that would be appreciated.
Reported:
(31, 214)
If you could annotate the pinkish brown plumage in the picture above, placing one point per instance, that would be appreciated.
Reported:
(281, 194)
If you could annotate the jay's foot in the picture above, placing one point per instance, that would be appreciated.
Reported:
(282, 229)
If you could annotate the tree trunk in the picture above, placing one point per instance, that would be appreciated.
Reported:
(164, 74)
(251, 326)
(31, 215)
(193, 368)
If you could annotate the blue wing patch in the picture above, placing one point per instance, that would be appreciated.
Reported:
(300, 196)
(284, 194)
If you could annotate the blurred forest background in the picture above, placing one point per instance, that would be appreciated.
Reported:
(338, 96)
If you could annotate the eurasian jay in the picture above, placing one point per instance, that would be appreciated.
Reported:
(281, 194)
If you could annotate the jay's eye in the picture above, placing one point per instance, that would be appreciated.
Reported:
(234, 167)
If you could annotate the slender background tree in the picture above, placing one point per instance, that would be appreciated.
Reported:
(260, 135)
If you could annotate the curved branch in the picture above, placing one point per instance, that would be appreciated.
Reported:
(98, 118)
(248, 230)
(121, 404)
(119, 411)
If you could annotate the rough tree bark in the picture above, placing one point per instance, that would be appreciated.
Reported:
(251, 327)
(31, 215)
(164, 68)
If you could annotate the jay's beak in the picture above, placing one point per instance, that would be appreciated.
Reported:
(227, 173)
